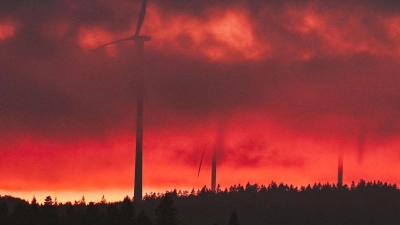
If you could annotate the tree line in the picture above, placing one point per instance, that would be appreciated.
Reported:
(80, 213)
(362, 203)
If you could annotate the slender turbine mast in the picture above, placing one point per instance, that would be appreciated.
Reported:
(340, 170)
(219, 147)
(139, 43)
(214, 171)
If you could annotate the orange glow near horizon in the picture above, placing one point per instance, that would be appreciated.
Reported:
(255, 153)
(321, 167)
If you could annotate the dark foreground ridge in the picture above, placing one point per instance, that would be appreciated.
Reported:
(362, 203)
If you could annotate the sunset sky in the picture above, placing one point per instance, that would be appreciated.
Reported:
(279, 88)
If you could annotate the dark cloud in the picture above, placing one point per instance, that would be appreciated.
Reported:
(74, 89)
(18, 4)
(201, 8)
(247, 153)
(193, 6)
(202, 87)
(388, 6)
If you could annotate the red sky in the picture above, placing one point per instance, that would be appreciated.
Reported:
(290, 84)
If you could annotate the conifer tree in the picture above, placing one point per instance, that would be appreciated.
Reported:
(34, 214)
(48, 200)
(103, 200)
(127, 211)
(166, 212)
(50, 216)
(82, 201)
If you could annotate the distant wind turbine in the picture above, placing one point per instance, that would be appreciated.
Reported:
(340, 170)
(360, 148)
(218, 146)
(139, 43)
(213, 169)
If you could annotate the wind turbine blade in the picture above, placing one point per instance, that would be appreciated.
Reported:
(141, 17)
(201, 160)
(114, 42)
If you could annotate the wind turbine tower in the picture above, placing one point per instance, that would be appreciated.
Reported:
(340, 170)
(139, 44)
(214, 171)
(218, 148)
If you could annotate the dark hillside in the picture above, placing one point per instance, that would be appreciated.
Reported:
(364, 203)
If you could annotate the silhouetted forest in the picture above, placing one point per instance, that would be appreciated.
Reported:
(363, 203)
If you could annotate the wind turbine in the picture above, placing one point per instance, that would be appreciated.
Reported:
(219, 146)
(213, 169)
(340, 170)
(139, 44)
